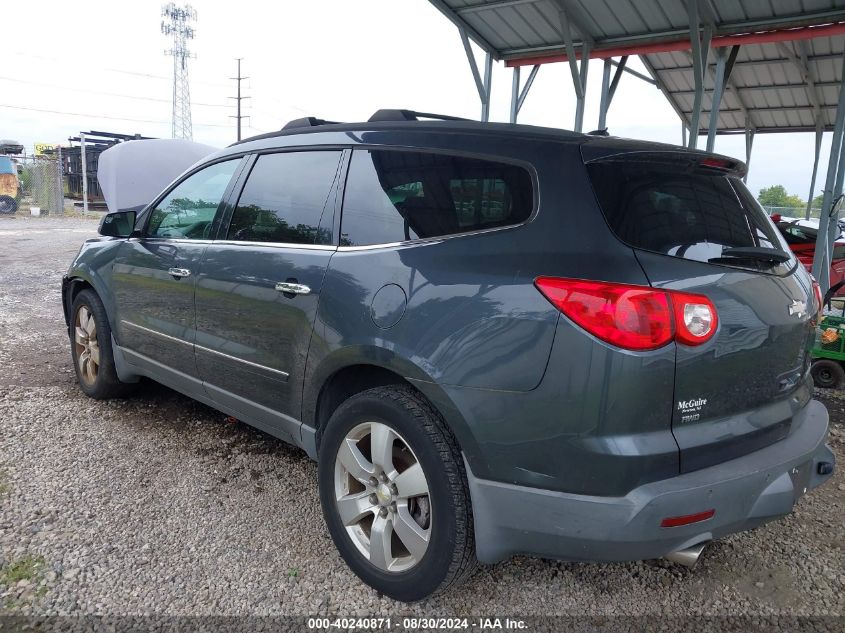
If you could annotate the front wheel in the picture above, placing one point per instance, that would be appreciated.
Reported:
(91, 350)
(827, 374)
(394, 494)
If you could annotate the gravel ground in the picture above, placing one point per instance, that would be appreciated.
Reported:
(160, 505)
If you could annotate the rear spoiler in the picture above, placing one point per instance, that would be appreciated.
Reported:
(601, 150)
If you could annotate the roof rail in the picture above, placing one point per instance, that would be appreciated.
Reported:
(600, 132)
(308, 121)
(410, 115)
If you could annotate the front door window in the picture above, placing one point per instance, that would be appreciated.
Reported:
(188, 211)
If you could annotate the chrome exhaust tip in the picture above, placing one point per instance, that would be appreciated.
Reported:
(687, 557)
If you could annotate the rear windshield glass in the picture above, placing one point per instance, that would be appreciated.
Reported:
(682, 210)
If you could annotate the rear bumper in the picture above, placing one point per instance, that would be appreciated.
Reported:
(745, 492)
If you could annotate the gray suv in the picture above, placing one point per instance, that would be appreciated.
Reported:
(494, 339)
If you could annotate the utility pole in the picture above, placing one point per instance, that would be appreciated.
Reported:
(180, 30)
(239, 98)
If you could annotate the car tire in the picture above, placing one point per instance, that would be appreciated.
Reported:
(828, 374)
(430, 539)
(8, 205)
(91, 349)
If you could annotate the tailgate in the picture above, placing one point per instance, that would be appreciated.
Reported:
(696, 228)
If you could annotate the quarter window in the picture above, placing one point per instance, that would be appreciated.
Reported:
(288, 198)
(188, 211)
(395, 196)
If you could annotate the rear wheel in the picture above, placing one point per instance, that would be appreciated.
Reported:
(91, 349)
(828, 374)
(394, 494)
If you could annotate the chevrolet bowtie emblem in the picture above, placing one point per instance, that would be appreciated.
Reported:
(797, 308)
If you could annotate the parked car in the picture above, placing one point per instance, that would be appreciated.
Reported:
(801, 236)
(494, 339)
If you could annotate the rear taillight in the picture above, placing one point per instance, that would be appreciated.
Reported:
(695, 318)
(632, 317)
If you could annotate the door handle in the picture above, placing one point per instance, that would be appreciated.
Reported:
(292, 288)
(180, 272)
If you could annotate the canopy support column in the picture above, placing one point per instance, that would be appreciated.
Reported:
(819, 132)
(579, 75)
(749, 144)
(724, 66)
(683, 134)
(700, 50)
(488, 80)
(828, 226)
(608, 88)
(582, 78)
(517, 95)
(482, 85)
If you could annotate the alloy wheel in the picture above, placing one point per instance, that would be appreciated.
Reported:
(382, 497)
(87, 348)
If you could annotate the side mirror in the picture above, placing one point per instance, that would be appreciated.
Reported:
(118, 224)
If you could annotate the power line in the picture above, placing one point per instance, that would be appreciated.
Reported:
(109, 94)
(101, 116)
(137, 74)
(117, 70)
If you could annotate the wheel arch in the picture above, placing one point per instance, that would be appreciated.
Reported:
(79, 280)
(337, 381)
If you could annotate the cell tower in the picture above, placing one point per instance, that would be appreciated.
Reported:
(176, 23)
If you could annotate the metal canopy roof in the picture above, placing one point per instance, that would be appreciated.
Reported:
(768, 90)
(786, 71)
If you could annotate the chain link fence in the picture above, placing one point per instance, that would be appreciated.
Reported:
(792, 212)
(42, 189)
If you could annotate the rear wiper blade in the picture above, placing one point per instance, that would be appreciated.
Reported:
(759, 253)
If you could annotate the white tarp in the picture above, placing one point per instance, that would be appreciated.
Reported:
(133, 173)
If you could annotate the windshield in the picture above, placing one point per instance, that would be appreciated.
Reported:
(683, 210)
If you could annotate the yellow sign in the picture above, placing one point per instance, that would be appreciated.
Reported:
(42, 149)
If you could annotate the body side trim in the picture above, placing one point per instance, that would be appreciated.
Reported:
(200, 348)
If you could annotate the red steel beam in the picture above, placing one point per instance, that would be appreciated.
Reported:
(762, 37)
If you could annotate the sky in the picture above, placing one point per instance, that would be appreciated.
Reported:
(100, 65)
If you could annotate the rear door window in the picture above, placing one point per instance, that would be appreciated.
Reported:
(288, 198)
(396, 196)
(683, 210)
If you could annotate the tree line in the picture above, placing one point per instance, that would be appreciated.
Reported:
(776, 196)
